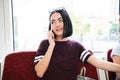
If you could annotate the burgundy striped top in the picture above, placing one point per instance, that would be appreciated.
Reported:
(64, 61)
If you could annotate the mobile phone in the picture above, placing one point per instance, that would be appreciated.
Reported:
(52, 31)
(54, 34)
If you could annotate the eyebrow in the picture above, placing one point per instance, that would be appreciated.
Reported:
(57, 19)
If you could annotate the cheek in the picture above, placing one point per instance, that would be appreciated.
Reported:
(62, 24)
(52, 27)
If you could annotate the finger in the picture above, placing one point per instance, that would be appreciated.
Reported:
(50, 34)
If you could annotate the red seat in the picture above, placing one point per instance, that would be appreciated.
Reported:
(91, 71)
(111, 75)
(19, 66)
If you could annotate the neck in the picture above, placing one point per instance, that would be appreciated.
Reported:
(61, 39)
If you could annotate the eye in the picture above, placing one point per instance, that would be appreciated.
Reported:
(60, 20)
(52, 22)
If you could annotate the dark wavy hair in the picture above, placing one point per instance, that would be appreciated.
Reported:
(66, 21)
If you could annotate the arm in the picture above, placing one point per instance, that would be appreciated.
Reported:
(102, 64)
(116, 59)
(43, 64)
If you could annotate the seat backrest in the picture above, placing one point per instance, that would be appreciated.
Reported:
(111, 75)
(19, 66)
(91, 71)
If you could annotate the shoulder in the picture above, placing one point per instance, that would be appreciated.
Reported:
(76, 43)
(44, 42)
(73, 41)
(116, 50)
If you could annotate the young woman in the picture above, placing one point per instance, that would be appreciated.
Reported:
(57, 57)
(115, 55)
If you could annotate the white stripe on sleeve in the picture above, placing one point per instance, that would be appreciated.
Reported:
(84, 55)
(38, 58)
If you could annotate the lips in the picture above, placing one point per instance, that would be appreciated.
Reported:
(60, 29)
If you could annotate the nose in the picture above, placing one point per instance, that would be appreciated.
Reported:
(57, 23)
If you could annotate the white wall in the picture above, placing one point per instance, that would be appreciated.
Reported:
(6, 41)
(6, 38)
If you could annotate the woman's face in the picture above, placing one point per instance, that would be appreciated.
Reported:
(57, 24)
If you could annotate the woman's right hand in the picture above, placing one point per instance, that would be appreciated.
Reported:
(51, 38)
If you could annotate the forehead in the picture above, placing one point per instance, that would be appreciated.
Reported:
(55, 16)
